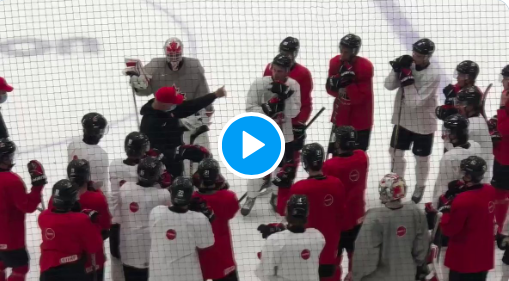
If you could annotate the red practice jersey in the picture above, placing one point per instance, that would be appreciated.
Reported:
(353, 172)
(326, 196)
(356, 109)
(501, 149)
(303, 76)
(66, 237)
(469, 226)
(218, 261)
(14, 204)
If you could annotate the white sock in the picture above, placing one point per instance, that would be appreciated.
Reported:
(399, 162)
(421, 170)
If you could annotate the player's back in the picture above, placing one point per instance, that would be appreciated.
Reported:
(95, 200)
(119, 174)
(387, 246)
(95, 155)
(175, 238)
(136, 203)
(353, 172)
(296, 256)
(479, 132)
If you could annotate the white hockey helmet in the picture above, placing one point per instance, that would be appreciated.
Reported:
(391, 188)
(174, 50)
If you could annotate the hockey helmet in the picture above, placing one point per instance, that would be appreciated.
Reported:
(469, 96)
(467, 70)
(283, 61)
(473, 169)
(65, 195)
(297, 209)
(504, 74)
(181, 191)
(174, 51)
(424, 47)
(95, 126)
(208, 170)
(391, 188)
(289, 46)
(346, 138)
(352, 42)
(149, 171)
(7, 152)
(78, 171)
(313, 156)
(136, 145)
(455, 125)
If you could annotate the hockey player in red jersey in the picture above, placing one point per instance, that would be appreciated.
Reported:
(69, 238)
(468, 222)
(217, 262)
(350, 82)
(350, 165)
(14, 204)
(326, 197)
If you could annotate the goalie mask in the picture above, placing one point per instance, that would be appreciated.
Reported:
(391, 188)
(173, 49)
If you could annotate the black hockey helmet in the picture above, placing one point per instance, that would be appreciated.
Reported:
(289, 45)
(65, 195)
(505, 71)
(313, 156)
(149, 171)
(469, 96)
(7, 152)
(78, 171)
(282, 60)
(181, 191)
(424, 46)
(136, 145)
(346, 137)
(474, 167)
(297, 209)
(468, 69)
(351, 41)
(208, 170)
(95, 127)
(457, 125)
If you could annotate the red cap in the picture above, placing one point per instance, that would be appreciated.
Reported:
(4, 86)
(169, 95)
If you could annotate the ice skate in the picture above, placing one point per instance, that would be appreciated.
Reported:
(248, 206)
(418, 193)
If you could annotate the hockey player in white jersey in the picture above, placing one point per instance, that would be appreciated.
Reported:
(393, 240)
(176, 234)
(278, 97)
(95, 127)
(123, 170)
(188, 76)
(136, 201)
(293, 253)
(417, 81)
(469, 104)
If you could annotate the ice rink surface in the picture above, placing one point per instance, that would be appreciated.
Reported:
(64, 59)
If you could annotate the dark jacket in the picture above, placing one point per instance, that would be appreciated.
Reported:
(163, 127)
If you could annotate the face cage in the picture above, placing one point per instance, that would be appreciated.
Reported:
(420, 56)
(9, 159)
(461, 76)
(291, 54)
(351, 51)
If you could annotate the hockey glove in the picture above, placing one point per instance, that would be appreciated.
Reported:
(431, 214)
(502, 241)
(453, 188)
(445, 111)
(445, 209)
(421, 272)
(194, 153)
(138, 83)
(37, 173)
(347, 75)
(281, 90)
(93, 215)
(115, 240)
(273, 107)
(153, 152)
(449, 92)
(406, 77)
(199, 205)
(268, 229)
(285, 176)
(334, 82)
(299, 136)
(493, 123)
(404, 61)
(165, 179)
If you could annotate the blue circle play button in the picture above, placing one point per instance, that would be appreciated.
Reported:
(251, 145)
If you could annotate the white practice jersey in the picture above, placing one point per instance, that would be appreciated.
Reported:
(136, 203)
(479, 132)
(175, 239)
(291, 256)
(260, 93)
(119, 172)
(449, 168)
(96, 157)
(418, 110)
(390, 244)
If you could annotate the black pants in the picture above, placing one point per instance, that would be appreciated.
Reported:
(233, 276)
(99, 273)
(500, 176)
(66, 272)
(478, 276)
(14, 258)
(363, 138)
(135, 274)
(347, 241)
(173, 166)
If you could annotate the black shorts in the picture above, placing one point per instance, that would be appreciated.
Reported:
(15, 258)
(478, 276)
(422, 145)
(347, 240)
(363, 138)
(288, 157)
(135, 274)
(71, 271)
(500, 178)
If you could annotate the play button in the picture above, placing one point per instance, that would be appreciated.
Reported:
(251, 145)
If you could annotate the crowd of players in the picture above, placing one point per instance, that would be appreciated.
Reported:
(184, 234)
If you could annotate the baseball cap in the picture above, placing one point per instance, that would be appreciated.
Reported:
(4, 86)
(169, 95)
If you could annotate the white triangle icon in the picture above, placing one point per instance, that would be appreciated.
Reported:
(250, 145)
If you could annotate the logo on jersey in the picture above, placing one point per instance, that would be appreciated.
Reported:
(134, 207)
(328, 200)
(49, 234)
(491, 207)
(171, 234)
(354, 175)
(401, 231)
(305, 254)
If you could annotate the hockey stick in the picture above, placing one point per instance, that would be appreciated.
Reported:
(200, 130)
(396, 133)
(264, 188)
(136, 108)
(433, 251)
(484, 98)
